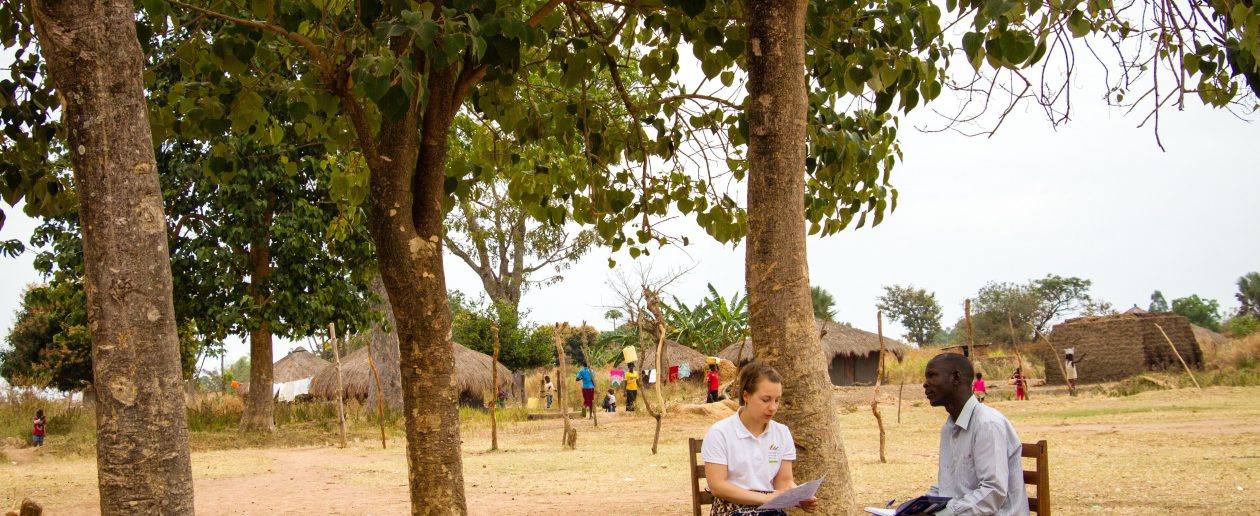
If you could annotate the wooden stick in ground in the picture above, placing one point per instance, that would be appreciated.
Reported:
(569, 439)
(899, 389)
(1015, 347)
(1178, 353)
(1055, 356)
(380, 394)
(654, 306)
(879, 379)
(341, 389)
(586, 357)
(971, 334)
(494, 389)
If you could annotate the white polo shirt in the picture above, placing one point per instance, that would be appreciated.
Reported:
(751, 461)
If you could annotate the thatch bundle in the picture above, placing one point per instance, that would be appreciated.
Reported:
(1119, 346)
(1206, 338)
(299, 364)
(472, 376)
(837, 339)
(675, 354)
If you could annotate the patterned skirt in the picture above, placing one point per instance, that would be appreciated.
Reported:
(724, 508)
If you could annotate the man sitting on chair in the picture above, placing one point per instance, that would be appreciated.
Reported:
(979, 464)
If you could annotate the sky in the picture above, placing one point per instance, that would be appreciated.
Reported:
(1095, 198)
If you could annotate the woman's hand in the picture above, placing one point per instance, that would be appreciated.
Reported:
(809, 505)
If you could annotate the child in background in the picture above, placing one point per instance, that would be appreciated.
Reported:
(1020, 383)
(610, 402)
(714, 381)
(37, 433)
(977, 388)
(549, 389)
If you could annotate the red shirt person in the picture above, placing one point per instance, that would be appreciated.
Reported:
(715, 382)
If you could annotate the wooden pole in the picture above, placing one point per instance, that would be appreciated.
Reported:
(494, 389)
(569, 439)
(654, 305)
(1055, 356)
(1015, 347)
(899, 389)
(341, 389)
(1178, 353)
(970, 333)
(879, 378)
(380, 394)
(586, 357)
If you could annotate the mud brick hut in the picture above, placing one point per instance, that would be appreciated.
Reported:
(1118, 346)
(852, 354)
(473, 377)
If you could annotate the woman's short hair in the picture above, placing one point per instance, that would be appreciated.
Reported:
(754, 372)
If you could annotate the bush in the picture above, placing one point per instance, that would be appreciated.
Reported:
(1241, 326)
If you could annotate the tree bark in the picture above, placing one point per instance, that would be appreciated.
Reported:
(260, 405)
(406, 225)
(95, 62)
(385, 350)
(780, 308)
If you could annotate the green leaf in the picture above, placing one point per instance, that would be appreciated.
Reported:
(692, 8)
(1078, 24)
(394, 103)
(972, 46)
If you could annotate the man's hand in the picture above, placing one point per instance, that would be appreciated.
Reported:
(809, 505)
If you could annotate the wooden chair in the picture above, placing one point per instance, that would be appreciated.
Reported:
(698, 497)
(1039, 478)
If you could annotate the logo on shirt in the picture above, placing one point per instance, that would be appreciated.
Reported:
(774, 454)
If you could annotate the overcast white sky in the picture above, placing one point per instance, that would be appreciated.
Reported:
(1096, 199)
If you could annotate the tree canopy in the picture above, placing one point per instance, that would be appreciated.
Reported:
(916, 309)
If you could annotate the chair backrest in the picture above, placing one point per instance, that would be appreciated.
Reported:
(698, 497)
(1039, 478)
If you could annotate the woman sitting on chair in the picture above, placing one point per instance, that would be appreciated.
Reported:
(748, 456)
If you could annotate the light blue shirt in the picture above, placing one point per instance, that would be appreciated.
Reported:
(980, 464)
(588, 381)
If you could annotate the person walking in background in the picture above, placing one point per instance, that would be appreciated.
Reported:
(978, 388)
(1021, 384)
(549, 390)
(610, 402)
(37, 433)
(1069, 367)
(632, 387)
(588, 390)
(715, 382)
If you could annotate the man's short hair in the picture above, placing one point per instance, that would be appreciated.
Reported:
(955, 363)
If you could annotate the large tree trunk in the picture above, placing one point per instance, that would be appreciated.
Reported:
(385, 351)
(95, 62)
(406, 224)
(260, 405)
(780, 310)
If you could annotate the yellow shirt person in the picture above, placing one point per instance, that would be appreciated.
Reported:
(632, 381)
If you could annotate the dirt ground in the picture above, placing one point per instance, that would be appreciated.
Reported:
(1168, 452)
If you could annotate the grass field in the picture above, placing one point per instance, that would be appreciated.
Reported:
(1160, 452)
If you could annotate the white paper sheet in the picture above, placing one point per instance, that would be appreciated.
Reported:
(794, 496)
(881, 512)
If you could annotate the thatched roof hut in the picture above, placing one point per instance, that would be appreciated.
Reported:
(675, 354)
(852, 354)
(299, 364)
(1208, 339)
(472, 376)
(1118, 346)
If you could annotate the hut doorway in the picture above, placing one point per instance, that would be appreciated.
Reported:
(853, 369)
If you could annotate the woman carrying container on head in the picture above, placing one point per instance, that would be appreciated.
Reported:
(748, 456)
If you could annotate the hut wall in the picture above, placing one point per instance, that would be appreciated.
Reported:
(1117, 347)
(848, 370)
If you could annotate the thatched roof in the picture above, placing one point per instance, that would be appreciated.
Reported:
(838, 339)
(1207, 339)
(297, 365)
(1135, 310)
(472, 375)
(675, 354)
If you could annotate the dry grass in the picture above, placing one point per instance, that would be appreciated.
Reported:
(1165, 452)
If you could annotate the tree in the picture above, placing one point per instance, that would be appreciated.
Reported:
(1158, 303)
(1201, 312)
(493, 234)
(49, 345)
(998, 307)
(916, 309)
(135, 346)
(1249, 294)
(519, 347)
(1058, 296)
(711, 325)
(823, 303)
(1240, 326)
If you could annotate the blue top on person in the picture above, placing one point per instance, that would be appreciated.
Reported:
(588, 380)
